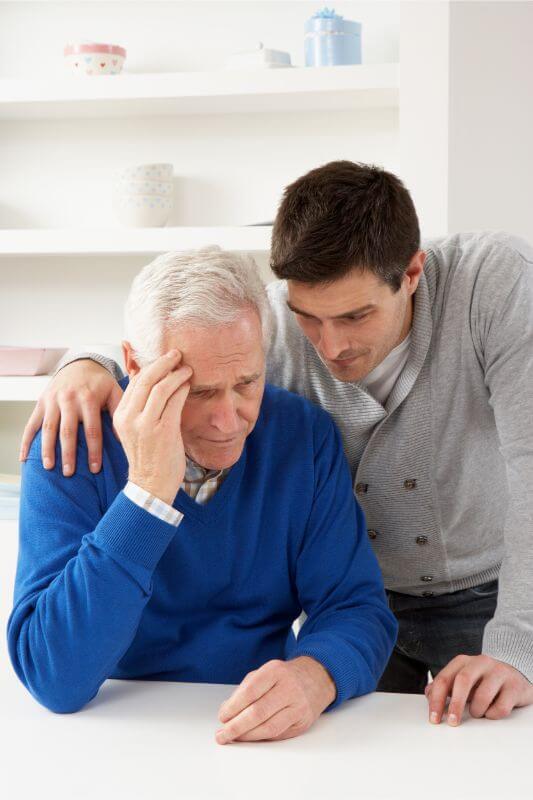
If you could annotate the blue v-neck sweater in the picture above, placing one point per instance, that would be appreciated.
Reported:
(104, 589)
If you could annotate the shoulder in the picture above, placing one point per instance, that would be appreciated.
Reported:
(293, 417)
(110, 443)
(287, 343)
(476, 251)
(284, 322)
(476, 270)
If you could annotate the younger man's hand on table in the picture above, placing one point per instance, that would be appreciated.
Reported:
(491, 687)
(279, 700)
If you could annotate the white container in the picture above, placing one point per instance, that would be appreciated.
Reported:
(163, 188)
(149, 172)
(260, 58)
(143, 211)
(91, 58)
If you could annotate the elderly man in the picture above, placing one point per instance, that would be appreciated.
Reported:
(224, 511)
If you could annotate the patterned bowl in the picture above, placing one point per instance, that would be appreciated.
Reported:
(148, 172)
(163, 188)
(89, 58)
(143, 210)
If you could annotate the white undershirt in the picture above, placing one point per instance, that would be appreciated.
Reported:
(380, 381)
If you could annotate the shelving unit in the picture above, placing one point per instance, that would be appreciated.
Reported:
(130, 241)
(23, 388)
(231, 91)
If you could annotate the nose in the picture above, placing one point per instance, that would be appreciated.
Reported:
(332, 342)
(224, 416)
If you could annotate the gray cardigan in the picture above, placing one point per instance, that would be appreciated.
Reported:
(444, 471)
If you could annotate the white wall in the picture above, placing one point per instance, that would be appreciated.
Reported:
(491, 117)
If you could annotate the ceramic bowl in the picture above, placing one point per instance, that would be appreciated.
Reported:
(163, 188)
(91, 58)
(148, 172)
(143, 210)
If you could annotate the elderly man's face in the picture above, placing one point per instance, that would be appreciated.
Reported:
(227, 385)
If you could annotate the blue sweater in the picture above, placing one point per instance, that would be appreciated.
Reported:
(104, 589)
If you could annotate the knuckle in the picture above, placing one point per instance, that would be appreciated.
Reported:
(439, 684)
(231, 731)
(92, 432)
(248, 696)
(254, 715)
(503, 707)
(49, 425)
(270, 729)
(66, 395)
(66, 432)
(463, 679)
(85, 394)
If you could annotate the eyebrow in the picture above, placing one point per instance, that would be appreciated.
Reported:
(355, 312)
(241, 379)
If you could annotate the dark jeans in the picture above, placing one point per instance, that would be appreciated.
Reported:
(433, 630)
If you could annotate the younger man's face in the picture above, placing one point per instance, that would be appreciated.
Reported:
(355, 322)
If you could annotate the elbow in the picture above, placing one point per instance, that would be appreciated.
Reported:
(47, 683)
(60, 703)
(58, 699)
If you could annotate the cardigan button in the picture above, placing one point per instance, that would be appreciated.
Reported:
(361, 488)
(372, 534)
(421, 539)
(409, 484)
(426, 578)
(428, 594)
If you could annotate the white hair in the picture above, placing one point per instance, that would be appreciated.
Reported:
(210, 286)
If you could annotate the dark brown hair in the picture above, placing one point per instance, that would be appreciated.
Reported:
(343, 216)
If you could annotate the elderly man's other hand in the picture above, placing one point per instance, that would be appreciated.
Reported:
(491, 687)
(148, 421)
(279, 700)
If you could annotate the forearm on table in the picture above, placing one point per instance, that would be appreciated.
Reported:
(66, 636)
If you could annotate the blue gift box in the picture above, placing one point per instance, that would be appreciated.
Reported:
(331, 40)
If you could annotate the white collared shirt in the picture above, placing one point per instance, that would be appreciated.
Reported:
(199, 483)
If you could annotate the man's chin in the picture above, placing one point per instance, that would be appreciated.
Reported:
(219, 457)
(348, 374)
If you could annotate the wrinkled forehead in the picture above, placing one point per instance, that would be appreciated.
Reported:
(219, 353)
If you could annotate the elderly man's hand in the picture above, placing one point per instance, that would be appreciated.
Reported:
(279, 700)
(148, 421)
(493, 688)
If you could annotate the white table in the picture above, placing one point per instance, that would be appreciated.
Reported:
(142, 739)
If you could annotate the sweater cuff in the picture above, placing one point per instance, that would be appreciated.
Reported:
(514, 649)
(329, 654)
(108, 363)
(128, 530)
(154, 505)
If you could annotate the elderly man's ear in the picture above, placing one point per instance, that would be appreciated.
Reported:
(132, 368)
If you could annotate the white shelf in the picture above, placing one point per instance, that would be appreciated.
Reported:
(225, 91)
(21, 388)
(128, 241)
